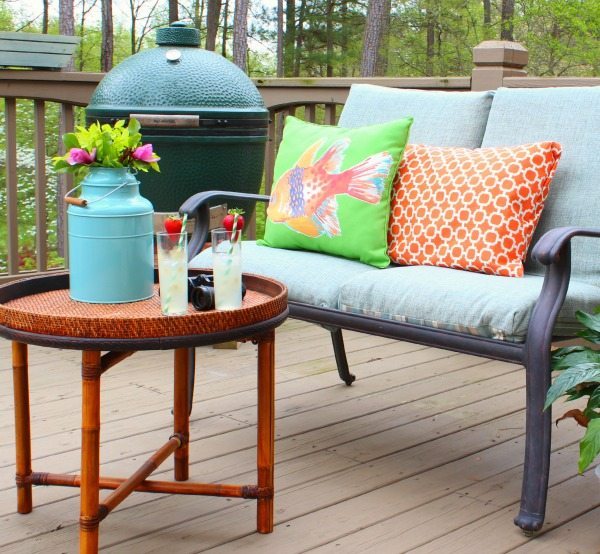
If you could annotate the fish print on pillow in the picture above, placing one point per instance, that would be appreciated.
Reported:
(305, 197)
(332, 189)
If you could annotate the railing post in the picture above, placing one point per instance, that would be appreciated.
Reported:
(496, 59)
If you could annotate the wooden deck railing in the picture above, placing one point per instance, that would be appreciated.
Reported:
(316, 100)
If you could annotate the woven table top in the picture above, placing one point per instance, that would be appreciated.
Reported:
(54, 313)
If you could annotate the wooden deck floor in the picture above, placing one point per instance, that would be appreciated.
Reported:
(422, 454)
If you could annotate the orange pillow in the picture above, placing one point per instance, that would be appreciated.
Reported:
(469, 209)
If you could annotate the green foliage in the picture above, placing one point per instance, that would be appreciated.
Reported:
(26, 198)
(569, 379)
(106, 146)
(579, 377)
(562, 36)
(589, 446)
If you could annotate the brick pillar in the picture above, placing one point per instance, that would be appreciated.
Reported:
(496, 59)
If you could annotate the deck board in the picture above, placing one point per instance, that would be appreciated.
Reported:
(422, 454)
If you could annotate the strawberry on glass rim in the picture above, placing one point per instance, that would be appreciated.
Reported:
(234, 217)
(173, 225)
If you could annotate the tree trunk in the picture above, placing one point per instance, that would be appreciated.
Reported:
(85, 9)
(240, 34)
(299, 38)
(45, 17)
(430, 48)
(106, 53)
(198, 13)
(487, 19)
(173, 11)
(213, 13)
(279, 38)
(329, 26)
(66, 24)
(506, 18)
(133, 26)
(289, 54)
(344, 37)
(384, 41)
(225, 29)
(372, 37)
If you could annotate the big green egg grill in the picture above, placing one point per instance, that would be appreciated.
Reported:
(203, 115)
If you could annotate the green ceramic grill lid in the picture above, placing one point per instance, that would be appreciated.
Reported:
(178, 78)
(203, 115)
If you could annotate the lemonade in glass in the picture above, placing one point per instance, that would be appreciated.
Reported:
(227, 269)
(172, 272)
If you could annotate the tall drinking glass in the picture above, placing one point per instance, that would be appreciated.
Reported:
(227, 269)
(172, 272)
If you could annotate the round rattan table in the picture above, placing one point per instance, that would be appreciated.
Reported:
(39, 311)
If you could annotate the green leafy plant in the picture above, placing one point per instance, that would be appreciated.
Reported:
(106, 146)
(579, 377)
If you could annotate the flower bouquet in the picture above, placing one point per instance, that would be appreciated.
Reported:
(116, 146)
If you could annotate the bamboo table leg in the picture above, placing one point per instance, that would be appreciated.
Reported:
(266, 431)
(89, 519)
(181, 412)
(22, 427)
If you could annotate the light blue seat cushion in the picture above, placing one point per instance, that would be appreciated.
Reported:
(570, 116)
(310, 277)
(474, 303)
(440, 118)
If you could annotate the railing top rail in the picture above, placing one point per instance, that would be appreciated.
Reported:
(345, 82)
(68, 87)
(539, 82)
(69, 76)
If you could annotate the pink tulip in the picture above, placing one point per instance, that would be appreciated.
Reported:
(145, 154)
(81, 156)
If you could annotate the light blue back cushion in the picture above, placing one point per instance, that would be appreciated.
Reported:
(570, 116)
(310, 277)
(440, 118)
(463, 301)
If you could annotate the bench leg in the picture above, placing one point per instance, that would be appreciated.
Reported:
(538, 429)
(339, 351)
(340, 355)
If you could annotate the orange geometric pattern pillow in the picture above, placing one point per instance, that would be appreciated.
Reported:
(469, 209)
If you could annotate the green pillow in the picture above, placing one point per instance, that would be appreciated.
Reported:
(332, 187)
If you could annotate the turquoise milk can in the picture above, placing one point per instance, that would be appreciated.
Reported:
(111, 253)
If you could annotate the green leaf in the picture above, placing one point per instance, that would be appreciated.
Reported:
(589, 335)
(564, 360)
(594, 399)
(571, 377)
(590, 321)
(559, 352)
(589, 447)
(70, 141)
(134, 126)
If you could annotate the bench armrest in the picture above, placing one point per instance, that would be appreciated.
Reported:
(548, 249)
(198, 208)
(554, 251)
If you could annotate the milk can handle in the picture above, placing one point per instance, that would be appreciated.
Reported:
(83, 202)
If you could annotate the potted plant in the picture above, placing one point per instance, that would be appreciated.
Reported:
(579, 377)
(110, 225)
